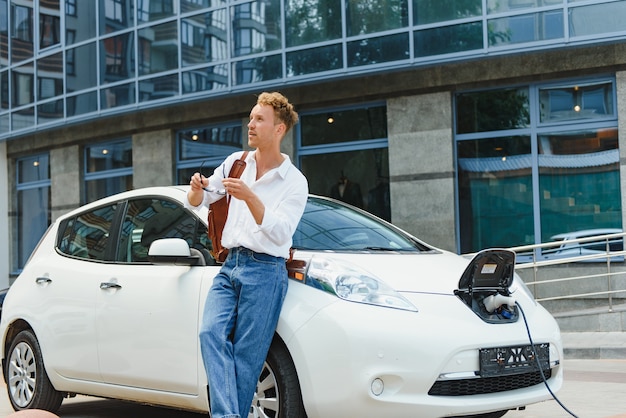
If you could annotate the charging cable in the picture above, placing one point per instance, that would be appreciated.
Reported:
(532, 345)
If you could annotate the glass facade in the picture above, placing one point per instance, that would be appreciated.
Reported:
(63, 59)
(108, 169)
(546, 163)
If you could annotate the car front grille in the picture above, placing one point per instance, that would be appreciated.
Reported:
(477, 386)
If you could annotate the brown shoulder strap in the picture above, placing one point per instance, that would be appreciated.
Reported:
(237, 169)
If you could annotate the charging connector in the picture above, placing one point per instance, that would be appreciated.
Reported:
(493, 302)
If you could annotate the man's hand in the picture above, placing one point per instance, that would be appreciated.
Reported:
(196, 194)
(240, 190)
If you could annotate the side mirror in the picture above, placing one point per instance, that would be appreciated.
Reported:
(174, 251)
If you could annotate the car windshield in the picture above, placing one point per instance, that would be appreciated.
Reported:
(329, 225)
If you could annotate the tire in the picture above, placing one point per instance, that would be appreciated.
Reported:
(28, 385)
(278, 389)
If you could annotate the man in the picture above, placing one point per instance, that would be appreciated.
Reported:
(244, 302)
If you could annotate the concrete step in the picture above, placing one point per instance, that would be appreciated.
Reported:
(594, 345)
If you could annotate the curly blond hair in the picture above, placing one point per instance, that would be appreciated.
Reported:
(283, 110)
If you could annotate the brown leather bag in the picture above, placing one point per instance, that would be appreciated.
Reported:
(218, 212)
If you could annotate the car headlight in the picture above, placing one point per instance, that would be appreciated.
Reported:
(351, 283)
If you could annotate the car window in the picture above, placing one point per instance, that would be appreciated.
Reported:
(86, 235)
(149, 219)
(329, 225)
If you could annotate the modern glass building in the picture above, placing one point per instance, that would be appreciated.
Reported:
(469, 123)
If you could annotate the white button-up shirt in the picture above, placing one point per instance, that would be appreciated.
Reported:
(283, 190)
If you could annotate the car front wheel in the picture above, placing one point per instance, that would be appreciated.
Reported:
(278, 389)
(28, 385)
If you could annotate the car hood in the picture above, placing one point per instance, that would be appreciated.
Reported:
(426, 272)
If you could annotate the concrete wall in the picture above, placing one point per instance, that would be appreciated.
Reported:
(154, 158)
(421, 165)
(65, 176)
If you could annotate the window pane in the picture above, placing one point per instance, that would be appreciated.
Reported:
(360, 178)
(79, 21)
(377, 50)
(150, 10)
(310, 21)
(597, 19)
(579, 181)
(23, 85)
(158, 88)
(191, 5)
(81, 67)
(97, 189)
(576, 102)
(344, 126)
(147, 220)
(475, 111)
(49, 30)
(33, 169)
(204, 38)
(118, 58)
(448, 39)
(115, 15)
(4, 123)
(495, 193)
(205, 79)
(87, 235)
(4, 33)
(121, 95)
(82, 103)
(24, 118)
(214, 142)
(256, 27)
(497, 6)
(526, 28)
(21, 33)
(314, 60)
(158, 48)
(431, 11)
(109, 156)
(50, 111)
(50, 76)
(4, 90)
(33, 207)
(370, 16)
(257, 70)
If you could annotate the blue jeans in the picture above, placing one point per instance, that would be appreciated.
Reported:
(239, 321)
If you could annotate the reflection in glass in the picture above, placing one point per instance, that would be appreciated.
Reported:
(120, 95)
(22, 83)
(370, 16)
(209, 142)
(108, 156)
(158, 48)
(309, 21)
(497, 6)
(118, 58)
(579, 181)
(204, 38)
(97, 189)
(377, 50)
(474, 111)
(431, 11)
(158, 88)
(257, 69)
(4, 90)
(256, 27)
(597, 19)
(23, 118)
(360, 178)
(79, 21)
(115, 15)
(81, 70)
(4, 33)
(33, 169)
(191, 5)
(495, 193)
(150, 10)
(50, 111)
(205, 79)
(448, 39)
(21, 32)
(50, 76)
(313, 60)
(82, 103)
(49, 30)
(576, 102)
(33, 206)
(4, 123)
(344, 126)
(526, 28)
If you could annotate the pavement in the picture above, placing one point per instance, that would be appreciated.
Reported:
(594, 387)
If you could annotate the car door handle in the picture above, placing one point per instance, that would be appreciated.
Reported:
(109, 285)
(42, 280)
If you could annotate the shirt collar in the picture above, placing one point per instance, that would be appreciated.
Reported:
(281, 169)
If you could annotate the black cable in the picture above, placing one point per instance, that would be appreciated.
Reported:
(532, 345)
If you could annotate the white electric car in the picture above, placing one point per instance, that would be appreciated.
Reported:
(375, 324)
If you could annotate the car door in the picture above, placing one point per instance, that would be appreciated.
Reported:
(146, 314)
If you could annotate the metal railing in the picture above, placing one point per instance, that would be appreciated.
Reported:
(592, 268)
